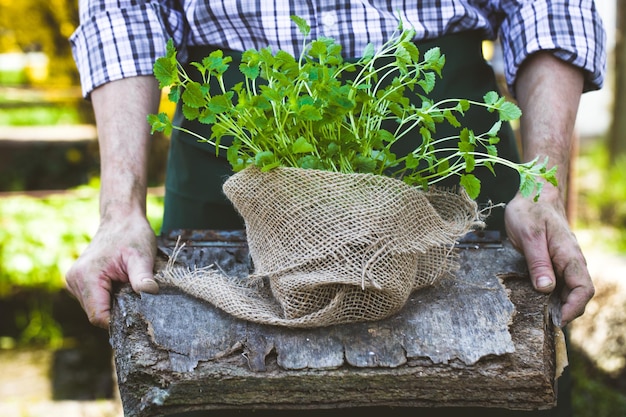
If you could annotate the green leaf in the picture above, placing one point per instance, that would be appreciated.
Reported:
(403, 57)
(490, 167)
(411, 162)
(471, 184)
(368, 52)
(443, 166)
(310, 162)
(318, 48)
(397, 110)
(206, 116)
(301, 145)
(271, 94)
(286, 64)
(260, 122)
(190, 113)
(232, 155)
(434, 60)
(466, 147)
(250, 71)
(413, 51)
(550, 176)
(491, 98)
(385, 136)
(268, 167)
(509, 111)
(332, 149)
(432, 55)
(426, 135)
(201, 68)
(309, 112)
(340, 97)
(527, 184)
(166, 72)
(470, 162)
(220, 103)
(334, 54)
(160, 123)
(260, 103)
(264, 158)
(491, 150)
(428, 121)
(170, 49)
(302, 24)
(174, 94)
(216, 63)
(364, 164)
(428, 82)
(193, 96)
(495, 128)
(464, 135)
(451, 118)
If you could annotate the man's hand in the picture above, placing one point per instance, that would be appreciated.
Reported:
(548, 92)
(121, 251)
(541, 232)
(124, 246)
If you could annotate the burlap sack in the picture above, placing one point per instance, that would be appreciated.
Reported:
(331, 248)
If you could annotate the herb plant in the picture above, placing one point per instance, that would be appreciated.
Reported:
(319, 111)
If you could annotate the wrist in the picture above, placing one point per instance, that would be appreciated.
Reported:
(118, 203)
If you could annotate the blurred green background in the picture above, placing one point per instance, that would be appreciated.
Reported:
(49, 176)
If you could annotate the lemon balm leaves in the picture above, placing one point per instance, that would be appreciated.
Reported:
(506, 110)
(471, 184)
(319, 111)
(303, 25)
(301, 145)
(166, 68)
(160, 123)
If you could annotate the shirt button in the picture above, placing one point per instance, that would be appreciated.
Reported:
(329, 19)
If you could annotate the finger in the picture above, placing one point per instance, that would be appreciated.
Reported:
(577, 292)
(140, 274)
(99, 311)
(540, 266)
(96, 303)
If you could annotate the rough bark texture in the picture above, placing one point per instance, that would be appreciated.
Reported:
(480, 338)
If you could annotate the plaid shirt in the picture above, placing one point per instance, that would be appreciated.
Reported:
(123, 38)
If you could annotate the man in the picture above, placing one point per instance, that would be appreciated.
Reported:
(553, 51)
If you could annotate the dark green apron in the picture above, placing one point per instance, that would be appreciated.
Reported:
(194, 197)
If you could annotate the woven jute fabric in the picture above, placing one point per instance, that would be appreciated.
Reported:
(330, 248)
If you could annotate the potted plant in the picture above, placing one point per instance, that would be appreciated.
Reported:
(340, 227)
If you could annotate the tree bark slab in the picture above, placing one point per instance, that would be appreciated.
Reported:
(482, 337)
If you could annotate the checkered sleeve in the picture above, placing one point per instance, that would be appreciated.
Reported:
(122, 38)
(572, 30)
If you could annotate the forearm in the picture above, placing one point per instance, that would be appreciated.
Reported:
(121, 108)
(548, 92)
(124, 246)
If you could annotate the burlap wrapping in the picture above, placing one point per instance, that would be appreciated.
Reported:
(330, 248)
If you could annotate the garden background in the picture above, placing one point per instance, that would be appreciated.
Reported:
(54, 363)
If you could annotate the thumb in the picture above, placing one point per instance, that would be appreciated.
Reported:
(140, 275)
(540, 266)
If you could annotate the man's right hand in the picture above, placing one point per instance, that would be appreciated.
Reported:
(123, 250)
